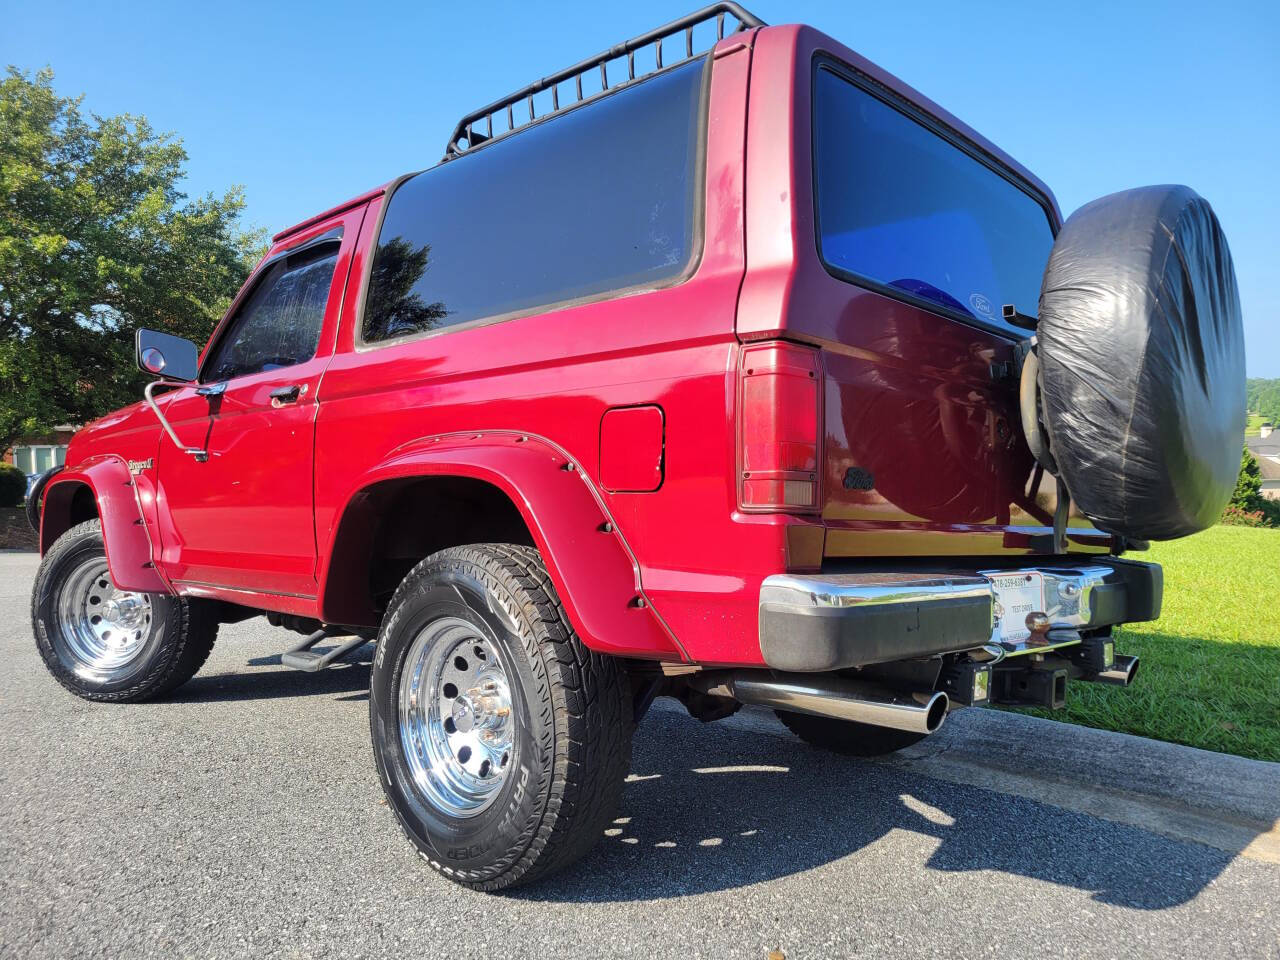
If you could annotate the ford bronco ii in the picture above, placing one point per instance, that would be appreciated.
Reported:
(721, 366)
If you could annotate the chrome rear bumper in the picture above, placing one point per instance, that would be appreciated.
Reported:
(834, 621)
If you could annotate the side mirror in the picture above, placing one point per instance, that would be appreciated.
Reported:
(167, 356)
(172, 359)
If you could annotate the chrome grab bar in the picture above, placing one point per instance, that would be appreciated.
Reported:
(200, 454)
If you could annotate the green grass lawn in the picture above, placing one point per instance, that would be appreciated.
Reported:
(1210, 670)
(1254, 427)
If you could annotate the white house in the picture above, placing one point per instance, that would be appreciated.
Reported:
(1266, 450)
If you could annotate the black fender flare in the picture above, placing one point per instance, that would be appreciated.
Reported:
(35, 497)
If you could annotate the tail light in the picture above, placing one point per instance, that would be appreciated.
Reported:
(779, 428)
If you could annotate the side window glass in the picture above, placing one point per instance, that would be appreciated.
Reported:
(602, 199)
(279, 324)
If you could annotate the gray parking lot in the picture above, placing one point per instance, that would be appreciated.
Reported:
(243, 817)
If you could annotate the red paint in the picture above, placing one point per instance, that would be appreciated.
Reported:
(122, 504)
(563, 413)
(245, 518)
(594, 568)
(910, 399)
(631, 449)
(294, 234)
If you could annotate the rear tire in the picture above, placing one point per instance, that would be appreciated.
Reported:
(847, 737)
(501, 741)
(110, 645)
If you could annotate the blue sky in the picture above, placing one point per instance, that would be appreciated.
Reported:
(307, 108)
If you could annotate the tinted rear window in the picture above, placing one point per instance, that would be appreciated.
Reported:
(599, 200)
(907, 209)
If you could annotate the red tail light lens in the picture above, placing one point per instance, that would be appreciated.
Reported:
(779, 427)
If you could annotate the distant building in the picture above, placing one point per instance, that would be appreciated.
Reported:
(35, 455)
(1266, 450)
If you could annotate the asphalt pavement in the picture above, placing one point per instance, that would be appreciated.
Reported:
(243, 818)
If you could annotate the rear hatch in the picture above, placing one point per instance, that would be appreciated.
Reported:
(921, 238)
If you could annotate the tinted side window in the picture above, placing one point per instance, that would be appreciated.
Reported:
(600, 199)
(902, 206)
(279, 324)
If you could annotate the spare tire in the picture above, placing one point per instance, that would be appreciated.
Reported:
(1141, 354)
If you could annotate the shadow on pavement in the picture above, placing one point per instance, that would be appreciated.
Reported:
(713, 808)
(350, 675)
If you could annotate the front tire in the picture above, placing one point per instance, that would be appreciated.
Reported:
(112, 645)
(501, 741)
(845, 736)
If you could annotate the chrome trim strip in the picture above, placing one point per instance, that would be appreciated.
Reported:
(204, 585)
(858, 589)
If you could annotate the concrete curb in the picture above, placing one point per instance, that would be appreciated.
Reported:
(1217, 799)
(1201, 779)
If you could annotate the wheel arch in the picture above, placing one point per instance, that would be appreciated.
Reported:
(449, 490)
(104, 487)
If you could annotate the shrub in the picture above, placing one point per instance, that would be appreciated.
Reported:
(1271, 510)
(13, 486)
(1239, 517)
(1247, 507)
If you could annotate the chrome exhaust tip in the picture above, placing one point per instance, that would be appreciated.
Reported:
(828, 695)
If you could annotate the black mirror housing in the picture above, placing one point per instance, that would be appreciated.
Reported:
(164, 355)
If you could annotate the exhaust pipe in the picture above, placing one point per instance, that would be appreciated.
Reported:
(1121, 674)
(827, 695)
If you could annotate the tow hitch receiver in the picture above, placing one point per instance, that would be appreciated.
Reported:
(1036, 685)
(968, 684)
(1042, 682)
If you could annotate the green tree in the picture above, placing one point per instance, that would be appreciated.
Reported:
(97, 240)
(1248, 484)
(1263, 397)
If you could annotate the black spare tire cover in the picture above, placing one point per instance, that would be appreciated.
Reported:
(1141, 352)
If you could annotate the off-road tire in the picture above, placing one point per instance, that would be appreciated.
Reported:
(181, 634)
(572, 710)
(845, 736)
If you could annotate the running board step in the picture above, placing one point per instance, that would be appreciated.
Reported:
(302, 657)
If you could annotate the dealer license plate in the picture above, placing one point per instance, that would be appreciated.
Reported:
(1018, 594)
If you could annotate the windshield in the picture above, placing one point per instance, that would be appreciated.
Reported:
(903, 209)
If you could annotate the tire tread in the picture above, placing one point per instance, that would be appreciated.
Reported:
(586, 699)
(193, 626)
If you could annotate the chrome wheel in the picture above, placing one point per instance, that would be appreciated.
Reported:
(456, 727)
(102, 628)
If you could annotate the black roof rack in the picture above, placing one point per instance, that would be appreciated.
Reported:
(467, 134)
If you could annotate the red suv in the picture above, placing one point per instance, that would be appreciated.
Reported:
(704, 369)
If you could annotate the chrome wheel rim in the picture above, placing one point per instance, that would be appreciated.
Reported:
(102, 628)
(456, 724)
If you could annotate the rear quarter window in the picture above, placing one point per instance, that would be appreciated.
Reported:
(597, 201)
(906, 210)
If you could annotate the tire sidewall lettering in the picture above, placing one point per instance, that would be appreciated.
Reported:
(458, 589)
